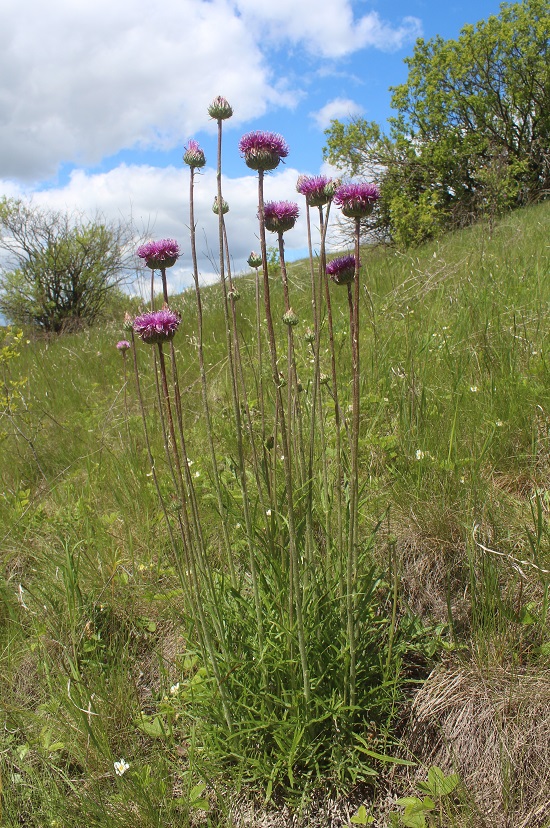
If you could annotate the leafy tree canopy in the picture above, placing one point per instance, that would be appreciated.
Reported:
(58, 269)
(471, 134)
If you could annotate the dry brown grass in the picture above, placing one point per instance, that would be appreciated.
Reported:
(491, 726)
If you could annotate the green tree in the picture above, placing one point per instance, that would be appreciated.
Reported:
(471, 134)
(59, 269)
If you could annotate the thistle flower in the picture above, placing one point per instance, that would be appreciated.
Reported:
(263, 150)
(290, 318)
(123, 345)
(159, 254)
(254, 260)
(342, 270)
(194, 155)
(313, 187)
(220, 109)
(157, 326)
(216, 209)
(309, 336)
(357, 200)
(128, 324)
(280, 216)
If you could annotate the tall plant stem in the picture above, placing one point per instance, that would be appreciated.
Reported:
(197, 552)
(292, 543)
(260, 383)
(337, 413)
(192, 594)
(316, 400)
(204, 387)
(294, 408)
(152, 462)
(236, 406)
(239, 373)
(354, 468)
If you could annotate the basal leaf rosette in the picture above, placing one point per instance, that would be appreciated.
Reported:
(263, 150)
(160, 254)
(342, 270)
(280, 216)
(357, 200)
(156, 327)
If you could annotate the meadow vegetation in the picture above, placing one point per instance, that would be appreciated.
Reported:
(153, 674)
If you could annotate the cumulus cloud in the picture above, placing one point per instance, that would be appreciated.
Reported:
(129, 191)
(337, 108)
(82, 81)
(329, 28)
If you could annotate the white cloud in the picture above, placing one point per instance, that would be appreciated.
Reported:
(327, 28)
(157, 199)
(81, 81)
(337, 108)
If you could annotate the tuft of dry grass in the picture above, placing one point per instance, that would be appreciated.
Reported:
(492, 727)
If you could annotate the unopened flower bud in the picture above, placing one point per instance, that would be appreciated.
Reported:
(194, 155)
(216, 209)
(254, 260)
(220, 109)
(290, 318)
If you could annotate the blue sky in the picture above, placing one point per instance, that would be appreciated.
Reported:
(99, 97)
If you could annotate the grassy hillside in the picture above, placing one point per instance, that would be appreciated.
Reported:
(100, 655)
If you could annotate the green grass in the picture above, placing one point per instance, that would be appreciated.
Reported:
(454, 500)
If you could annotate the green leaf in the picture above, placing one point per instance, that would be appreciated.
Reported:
(361, 817)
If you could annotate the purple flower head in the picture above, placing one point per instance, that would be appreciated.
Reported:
(280, 216)
(342, 270)
(220, 109)
(157, 326)
(123, 345)
(357, 200)
(313, 187)
(254, 260)
(160, 254)
(263, 150)
(194, 155)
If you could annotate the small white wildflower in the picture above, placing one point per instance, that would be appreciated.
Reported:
(175, 688)
(282, 457)
(121, 767)
(499, 423)
(419, 454)
(473, 388)
(268, 512)
(237, 526)
(463, 480)
(197, 474)
(190, 462)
